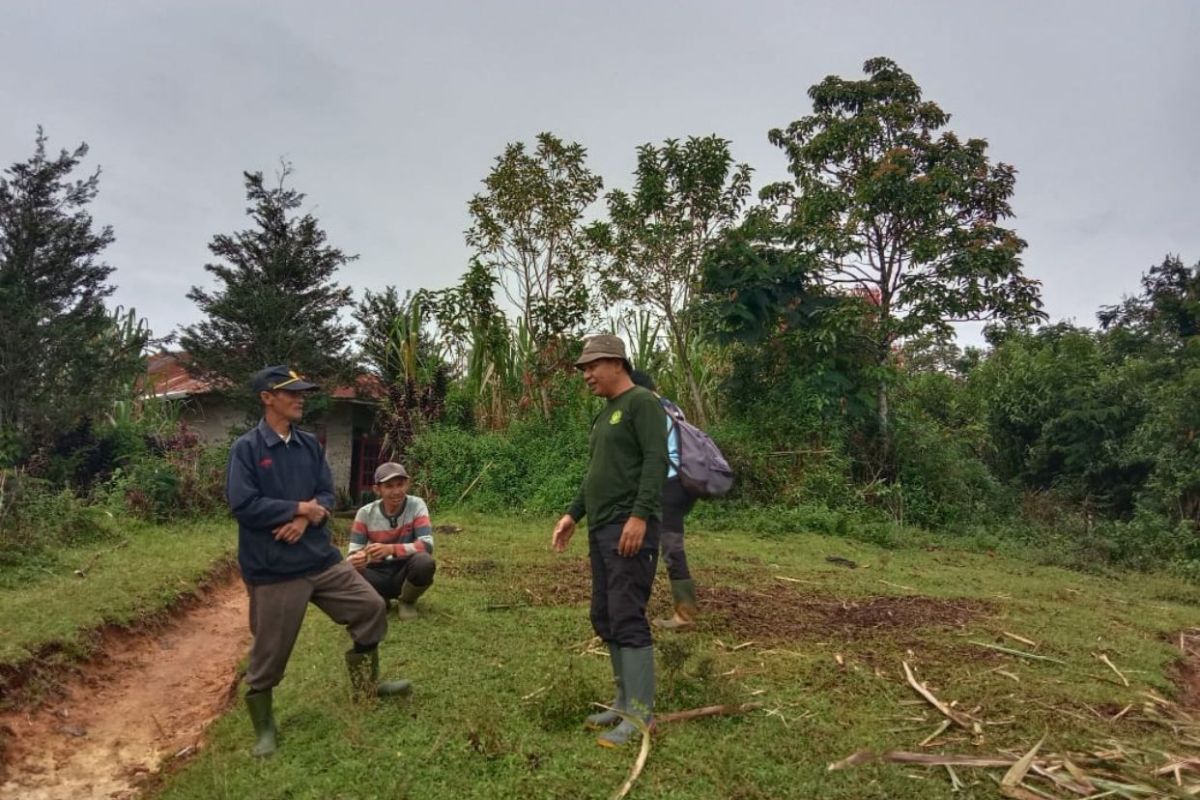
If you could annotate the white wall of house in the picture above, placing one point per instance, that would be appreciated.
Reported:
(216, 420)
(339, 442)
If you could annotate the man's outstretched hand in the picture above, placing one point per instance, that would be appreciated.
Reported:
(562, 533)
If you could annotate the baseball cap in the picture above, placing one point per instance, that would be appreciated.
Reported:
(280, 376)
(388, 470)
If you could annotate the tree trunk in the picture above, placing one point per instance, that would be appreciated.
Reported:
(883, 410)
(693, 388)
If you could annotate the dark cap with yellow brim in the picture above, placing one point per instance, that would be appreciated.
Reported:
(280, 376)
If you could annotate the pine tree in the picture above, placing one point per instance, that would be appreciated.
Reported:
(276, 301)
(56, 362)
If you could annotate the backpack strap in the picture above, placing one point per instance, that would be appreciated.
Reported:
(674, 416)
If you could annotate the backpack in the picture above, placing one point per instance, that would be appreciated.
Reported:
(702, 468)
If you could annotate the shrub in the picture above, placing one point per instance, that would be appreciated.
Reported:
(35, 515)
(534, 466)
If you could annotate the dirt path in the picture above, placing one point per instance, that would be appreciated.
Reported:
(150, 697)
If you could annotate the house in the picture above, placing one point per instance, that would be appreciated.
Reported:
(346, 430)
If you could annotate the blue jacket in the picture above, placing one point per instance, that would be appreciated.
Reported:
(267, 477)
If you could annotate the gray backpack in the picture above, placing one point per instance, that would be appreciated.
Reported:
(702, 468)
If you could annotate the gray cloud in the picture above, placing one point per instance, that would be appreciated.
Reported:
(392, 114)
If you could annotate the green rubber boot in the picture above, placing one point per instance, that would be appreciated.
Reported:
(259, 706)
(637, 672)
(605, 718)
(406, 605)
(364, 677)
(684, 595)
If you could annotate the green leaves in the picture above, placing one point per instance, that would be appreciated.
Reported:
(685, 195)
(883, 213)
(527, 227)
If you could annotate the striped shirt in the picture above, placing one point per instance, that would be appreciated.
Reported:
(409, 532)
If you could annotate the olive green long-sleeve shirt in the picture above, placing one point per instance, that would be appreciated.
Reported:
(627, 463)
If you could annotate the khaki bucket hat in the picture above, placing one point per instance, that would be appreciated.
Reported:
(603, 346)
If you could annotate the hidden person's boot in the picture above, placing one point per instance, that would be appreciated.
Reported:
(684, 595)
(637, 673)
(406, 604)
(364, 677)
(606, 718)
(259, 706)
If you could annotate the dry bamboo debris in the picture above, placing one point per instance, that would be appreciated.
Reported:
(639, 762)
(1104, 657)
(958, 718)
(1020, 639)
(1019, 771)
(675, 716)
(1109, 771)
(733, 648)
(706, 711)
(1020, 653)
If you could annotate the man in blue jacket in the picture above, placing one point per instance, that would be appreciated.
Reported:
(280, 490)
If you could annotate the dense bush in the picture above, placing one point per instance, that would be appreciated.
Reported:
(184, 477)
(531, 467)
(34, 515)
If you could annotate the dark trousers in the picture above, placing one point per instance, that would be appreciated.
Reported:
(277, 611)
(676, 505)
(621, 585)
(388, 577)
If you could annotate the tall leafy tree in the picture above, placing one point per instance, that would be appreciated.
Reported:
(1156, 336)
(685, 195)
(276, 300)
(396, 342)
(62, 353)
(477, 337)
(889, 209)
(527, 227)
(398, 348)
(1168, 309)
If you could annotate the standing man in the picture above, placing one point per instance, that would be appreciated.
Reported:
(620, 496)
(281, 492)
(391, 542)
(676, 505)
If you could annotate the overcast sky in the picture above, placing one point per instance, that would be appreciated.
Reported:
(392, 114)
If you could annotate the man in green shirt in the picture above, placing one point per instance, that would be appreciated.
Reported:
(621, 496)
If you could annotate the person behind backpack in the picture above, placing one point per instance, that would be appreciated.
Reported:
(676, 504)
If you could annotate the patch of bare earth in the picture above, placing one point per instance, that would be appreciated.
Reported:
(777, 613)
(1186, 674)
(146, 699)
(765, 613)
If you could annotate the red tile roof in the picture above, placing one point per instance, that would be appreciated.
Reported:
(167, 374)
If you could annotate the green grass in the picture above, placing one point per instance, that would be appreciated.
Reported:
(143, 570)
(504, 674)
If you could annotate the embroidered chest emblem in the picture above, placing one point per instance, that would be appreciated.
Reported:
(615, 419)
(266, 462)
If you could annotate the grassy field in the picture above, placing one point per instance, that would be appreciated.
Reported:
(44, 604)
(505, 668)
